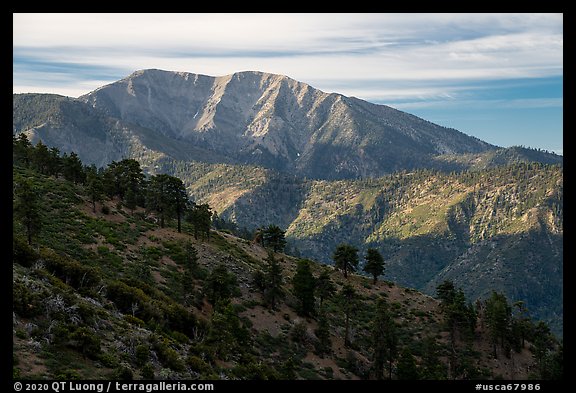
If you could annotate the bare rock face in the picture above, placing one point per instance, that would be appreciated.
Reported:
(272, 120)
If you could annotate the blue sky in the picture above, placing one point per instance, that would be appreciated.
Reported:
(498, 77)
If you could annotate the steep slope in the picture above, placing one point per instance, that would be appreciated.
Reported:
(249, 118)
(113, 296)
(275, 121)
(481, 229)
(71, 125)
(429, 225)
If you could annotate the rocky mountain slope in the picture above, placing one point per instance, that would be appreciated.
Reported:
(274, 121)
(480, 225)
(482, 229)
(111, 295)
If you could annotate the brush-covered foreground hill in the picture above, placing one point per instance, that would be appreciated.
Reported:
(110, 294)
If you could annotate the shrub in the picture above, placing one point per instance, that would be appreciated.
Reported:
(61, 333)
(68, 375)
(179, 337)
(69, 270)
(86, 341)
(298, 333)
(142, 355)
(26, 303)
(169, 357)
(198, 365)
(108, 360)
(124, 296)
(123, 373)
(22, 253)
(134, 321)
(179, 319)
(147, 371)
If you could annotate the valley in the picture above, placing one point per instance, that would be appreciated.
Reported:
(259, 150)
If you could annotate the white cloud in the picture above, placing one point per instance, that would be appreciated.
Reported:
(450, 102)
(314, 48)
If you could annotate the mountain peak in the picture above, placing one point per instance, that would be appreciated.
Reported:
(273, 120)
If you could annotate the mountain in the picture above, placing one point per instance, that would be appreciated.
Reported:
(272, 120)
(249, 118)
(482, 229)
(107, 293)
(264, 149)
(98, 139)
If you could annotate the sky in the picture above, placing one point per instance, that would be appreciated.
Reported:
(498, 77)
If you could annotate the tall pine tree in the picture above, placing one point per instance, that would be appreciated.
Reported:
(374, 263)
(303, 284)
(27, 207)
(346, 258)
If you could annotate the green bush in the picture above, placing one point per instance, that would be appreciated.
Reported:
(123, 373)
(179, 319)
(142, 355)
(26, 303)
(198, 365)
(86, 341)
(61, 333)
(134, 320)
(124, 296)
(67, 375)
(108, 360)
(179, 337)
(147, 371)
(169, 357)
(298, 333)
(328, 372)
(22, 253)
(69, 270)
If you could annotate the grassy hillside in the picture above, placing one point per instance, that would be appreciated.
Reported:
(429, 225)
(110, 294)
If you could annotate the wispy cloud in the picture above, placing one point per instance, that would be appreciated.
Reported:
(424, 62)
(315, 48)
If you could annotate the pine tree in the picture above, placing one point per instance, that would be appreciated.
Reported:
(324, 286)
(384, 339)
(72, 168)
(498, 319)
(21, 150)
(431, 367)
(40, 158)
(273, 281)
(374, 263)
(348, 304)
(346, 258)
(167, 196)
(200, 216)
(121, 176)
(274, 237)
(27, 208)
(226, 334)
(407, 368)
(94, 187)
(324, 345)
(303, 284)
(220, 285)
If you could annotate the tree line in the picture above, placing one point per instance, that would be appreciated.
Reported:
(125, 180)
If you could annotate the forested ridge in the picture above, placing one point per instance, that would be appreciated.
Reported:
(480, 226)
(119, 274)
